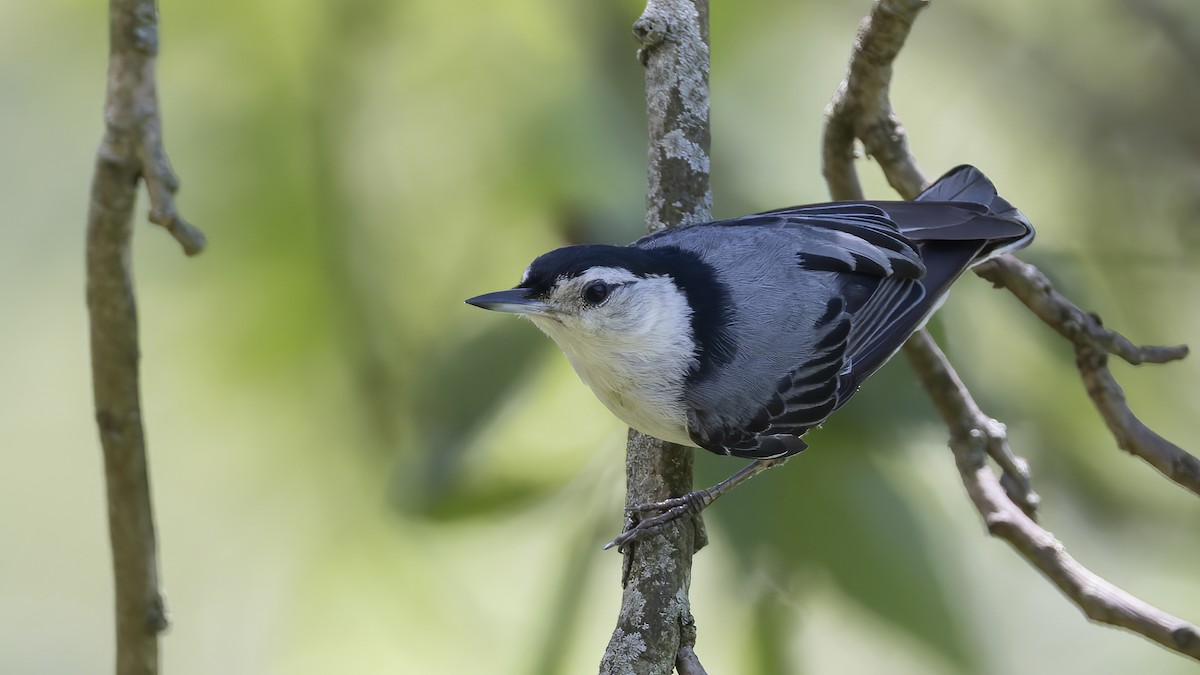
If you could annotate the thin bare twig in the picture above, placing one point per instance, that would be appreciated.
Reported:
(134, 127)
(1099, 599)
(1093, 343)
(130, 149)
(860, 109)
(655, 631)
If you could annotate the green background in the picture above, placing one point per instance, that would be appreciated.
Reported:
(355, 472)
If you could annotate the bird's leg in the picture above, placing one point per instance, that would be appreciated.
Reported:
(689, 504)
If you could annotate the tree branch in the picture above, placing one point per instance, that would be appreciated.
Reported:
(1099, 600)
(860, 109)
(1093, 343)
(655, 630)
(130, 149)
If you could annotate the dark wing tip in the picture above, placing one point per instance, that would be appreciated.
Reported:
(769, 447)
(803, 399)
(965, 183)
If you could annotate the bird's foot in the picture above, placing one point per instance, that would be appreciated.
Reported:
(638, 525)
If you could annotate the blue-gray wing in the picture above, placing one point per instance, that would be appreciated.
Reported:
(853, 263)
(872, 272)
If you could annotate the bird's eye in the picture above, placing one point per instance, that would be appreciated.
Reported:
(595, 292)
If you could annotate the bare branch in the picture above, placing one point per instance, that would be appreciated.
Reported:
(1093, 343)
(860, 109)
(161, 184)
(1099, 600)
(1084, 330)
(652, 627)
(655, 630)
(134, 127)
(955, 402)
(674, 39)
(131, 148)
(686, 661)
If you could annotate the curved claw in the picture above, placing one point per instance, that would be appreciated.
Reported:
(669, 510)
(692, 503)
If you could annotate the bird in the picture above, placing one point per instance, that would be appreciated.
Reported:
(739, 336)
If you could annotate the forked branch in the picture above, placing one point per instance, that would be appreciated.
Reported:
(1093, 344)
(861, 110)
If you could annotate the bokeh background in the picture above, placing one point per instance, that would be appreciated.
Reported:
(357, 473)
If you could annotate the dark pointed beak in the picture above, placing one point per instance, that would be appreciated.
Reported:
(514, 300)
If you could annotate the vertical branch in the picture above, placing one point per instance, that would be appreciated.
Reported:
(674, 39)
(130, 149)
(655, 630)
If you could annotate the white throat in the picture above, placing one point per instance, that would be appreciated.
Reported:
(636, 356)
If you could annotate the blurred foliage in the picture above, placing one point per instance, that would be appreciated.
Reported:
(355, 472)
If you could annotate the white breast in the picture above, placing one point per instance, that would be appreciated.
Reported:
(637, 371)
(636, 391)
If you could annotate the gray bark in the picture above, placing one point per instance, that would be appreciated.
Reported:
(655, 628)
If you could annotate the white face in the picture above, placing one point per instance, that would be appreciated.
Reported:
(607, 303)
(630, 340)
(629, 337)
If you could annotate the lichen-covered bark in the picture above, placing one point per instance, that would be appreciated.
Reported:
(655, 628)
(655, 622)
(674, 38)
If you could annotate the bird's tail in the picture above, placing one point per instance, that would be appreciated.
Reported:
(973, 224)
(1007, 229)
(958, 222)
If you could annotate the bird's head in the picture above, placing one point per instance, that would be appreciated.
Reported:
(632, 312)
(593, 296)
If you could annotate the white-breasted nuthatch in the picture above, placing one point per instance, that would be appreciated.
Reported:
(738, 336)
